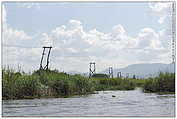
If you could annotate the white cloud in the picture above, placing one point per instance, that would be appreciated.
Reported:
(11, 36)
(74, 47)
(75, 44)
(118, 30)
(148, 38)
(3, 14)
(160, 6)
(46, 40)
(17, 47)
(162, 9)
(30, 5)
(14, 37)
(161, 19)
(75, 24)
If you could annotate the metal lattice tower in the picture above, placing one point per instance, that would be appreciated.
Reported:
(110, 72)
(92, 69)
(119, 75)
(43, 53)
(127, 75)
(173, 33)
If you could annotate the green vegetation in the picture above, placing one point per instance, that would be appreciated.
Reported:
(52, 83)
(17, 85)
(113, 84)
(43, 84)
(164, 83)
(100, 76)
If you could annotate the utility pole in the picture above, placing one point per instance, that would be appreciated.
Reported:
(110, 72)
(134, 76)
(119, 75)
(92, 69)
(127, 75)
(47, 63)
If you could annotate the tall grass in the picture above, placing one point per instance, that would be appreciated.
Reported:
(165, 82)
(18, 85)
(113, 84)
(65, 84)
(43, 83)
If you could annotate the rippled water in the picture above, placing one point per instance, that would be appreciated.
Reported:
(126, 103)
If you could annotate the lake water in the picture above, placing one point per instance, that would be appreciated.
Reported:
(125, 103)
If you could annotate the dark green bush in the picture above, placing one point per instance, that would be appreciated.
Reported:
(165, 82)
(114, 84)
(100, 76)
(16, 85)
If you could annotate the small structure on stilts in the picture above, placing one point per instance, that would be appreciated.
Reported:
(127, 75)
(110, 72)
(43, 54)
(92, 69)
(119, 75)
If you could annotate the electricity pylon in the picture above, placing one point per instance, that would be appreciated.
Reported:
(43, 53)
(92, 69)
(119, 75)
(110, 72)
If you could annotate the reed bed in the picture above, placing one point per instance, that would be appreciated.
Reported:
(164, 83)
(52, 83)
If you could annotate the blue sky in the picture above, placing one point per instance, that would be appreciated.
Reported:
(112, 33)
(133, 16)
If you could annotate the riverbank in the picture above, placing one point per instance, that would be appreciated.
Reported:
(163, 84)
(52, 83)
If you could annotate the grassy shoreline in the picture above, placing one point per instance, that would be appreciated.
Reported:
(52, 83)
(164, 83)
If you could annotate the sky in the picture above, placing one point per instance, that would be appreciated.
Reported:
(113, 34)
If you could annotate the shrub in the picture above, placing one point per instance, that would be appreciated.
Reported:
(16, 85)
(165, 82)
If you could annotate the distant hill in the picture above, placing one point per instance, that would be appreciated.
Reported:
(143, 70)
(76, 72)
(73, 72)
